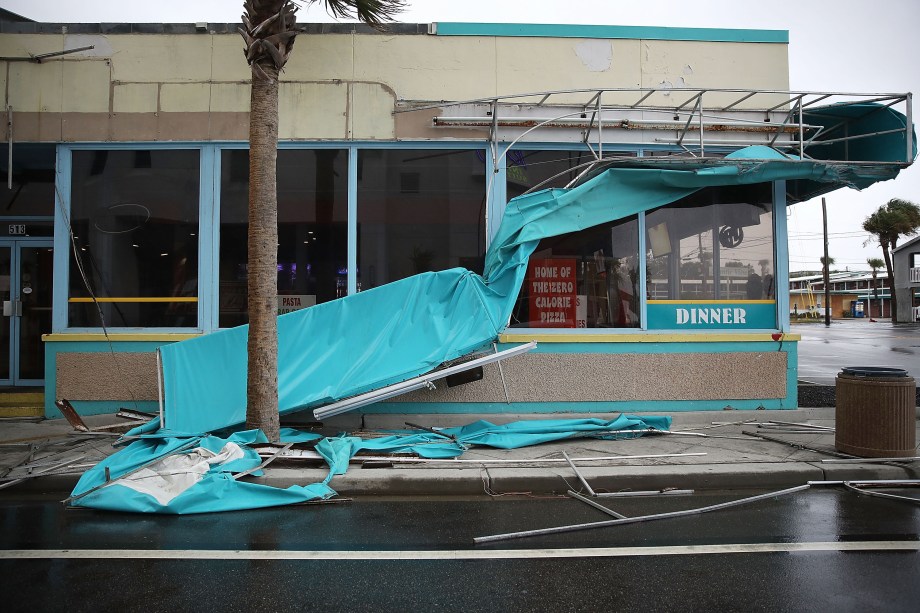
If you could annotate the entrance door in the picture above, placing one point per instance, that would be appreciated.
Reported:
(25, 290)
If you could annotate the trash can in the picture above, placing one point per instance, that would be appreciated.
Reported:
(875, 412)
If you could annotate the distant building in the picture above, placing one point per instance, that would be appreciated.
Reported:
(906, 265)
(806, 294)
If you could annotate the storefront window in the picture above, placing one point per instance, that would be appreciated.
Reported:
(419, 210)
(134, 216)
(715, 245)
(312, 234)
(525, 170)
(587, 279)
(32, 193)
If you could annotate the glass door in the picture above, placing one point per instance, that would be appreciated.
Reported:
(25, 285)
(6, 357)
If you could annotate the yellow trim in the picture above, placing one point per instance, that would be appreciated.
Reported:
(95, 337)
(139, 299)
(726, 302)
(22, 399)
(36, 411)
(644, 338)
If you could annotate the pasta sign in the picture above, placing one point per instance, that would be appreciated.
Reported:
(551, 288)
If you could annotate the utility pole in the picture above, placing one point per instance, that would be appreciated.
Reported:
(827, 270)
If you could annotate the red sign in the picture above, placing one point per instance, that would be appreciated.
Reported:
(551, 291)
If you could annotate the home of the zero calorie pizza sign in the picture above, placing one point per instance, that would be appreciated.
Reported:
(551, 292)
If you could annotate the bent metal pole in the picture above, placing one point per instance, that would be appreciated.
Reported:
(633, 520)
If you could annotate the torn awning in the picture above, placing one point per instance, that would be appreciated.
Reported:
(403, 329)
(162, 473)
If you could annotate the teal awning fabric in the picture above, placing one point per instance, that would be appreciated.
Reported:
(183, 475)
(332, 350)
(874, 132)
(404, 329)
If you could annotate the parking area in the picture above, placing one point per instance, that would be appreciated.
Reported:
(824, 350)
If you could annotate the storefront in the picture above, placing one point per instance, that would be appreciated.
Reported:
(144, 182)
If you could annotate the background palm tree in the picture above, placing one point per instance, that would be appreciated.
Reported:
(893, 219)
(269, 29)
(875, 264)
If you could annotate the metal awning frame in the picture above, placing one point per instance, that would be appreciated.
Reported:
(698, 120)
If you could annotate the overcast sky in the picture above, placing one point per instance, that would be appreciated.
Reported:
(834, 45)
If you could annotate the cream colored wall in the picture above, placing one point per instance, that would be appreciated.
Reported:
(336, 86)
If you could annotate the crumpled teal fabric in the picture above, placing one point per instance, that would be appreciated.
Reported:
(216, 490)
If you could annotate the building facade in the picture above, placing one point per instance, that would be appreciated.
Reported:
(905, 260)
(853, 294)
(127, 167)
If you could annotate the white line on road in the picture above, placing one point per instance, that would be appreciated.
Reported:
(466, 554)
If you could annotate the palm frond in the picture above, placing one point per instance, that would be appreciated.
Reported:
(374, 13)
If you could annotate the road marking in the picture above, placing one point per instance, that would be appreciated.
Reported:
(464, 554)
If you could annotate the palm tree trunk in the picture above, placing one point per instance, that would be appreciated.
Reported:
(262, 376)
(891, 288)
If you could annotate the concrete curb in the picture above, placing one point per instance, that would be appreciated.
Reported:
(725, 463)
(473, 479)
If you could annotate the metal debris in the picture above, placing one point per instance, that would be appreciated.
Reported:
(632, 520)
(440, 433)
(859, 490)
(71, 415)
(53, 469)
(668, 491)
(596, 505)
(871, 460)
(310, 455)
(265, 463)
(796, 445)
(587, 486)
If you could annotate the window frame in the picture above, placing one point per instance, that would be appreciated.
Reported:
(780, 261)
(495, 192)
(63, 246)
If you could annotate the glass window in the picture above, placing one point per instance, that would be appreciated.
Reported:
(525, 170)
(32, 193)
(716, 244)
(419, 210)
(312, 232)
(134, 215)
(586, 279)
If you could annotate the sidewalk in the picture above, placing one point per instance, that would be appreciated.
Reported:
(732, 460)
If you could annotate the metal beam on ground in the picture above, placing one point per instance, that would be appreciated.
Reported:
(633, 520)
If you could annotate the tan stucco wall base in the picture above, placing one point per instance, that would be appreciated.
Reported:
(104, 376)
(542, 377)
(591, 377)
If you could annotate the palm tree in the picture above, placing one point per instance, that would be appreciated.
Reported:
(269, 29)
(875, 264)
(895, 218)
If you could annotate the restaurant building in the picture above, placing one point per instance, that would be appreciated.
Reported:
(125, 210)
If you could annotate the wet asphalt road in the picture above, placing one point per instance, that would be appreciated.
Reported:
(824, 350)
(425, 558)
